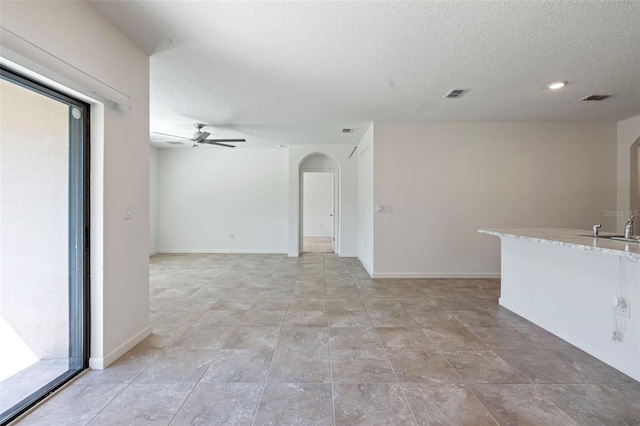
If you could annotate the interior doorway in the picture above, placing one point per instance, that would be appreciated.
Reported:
(318, 212)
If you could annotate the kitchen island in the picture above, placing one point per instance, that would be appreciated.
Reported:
(565, 281)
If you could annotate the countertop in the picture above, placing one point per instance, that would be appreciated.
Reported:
(570, 238)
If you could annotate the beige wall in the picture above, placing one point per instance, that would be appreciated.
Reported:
(365, 154)
(628, 132)
(207, 194)
(80, 36)
(447, 179)
(153, 202)
(34, 182)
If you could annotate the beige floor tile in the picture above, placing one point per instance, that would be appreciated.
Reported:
(521, 405)
(295, 404)
(144, 404)
(354, 338)
(370, 366)
(239, 366)
(592, 404)
(446, 404)
(231, 325)
(371, 404)
(300, 366)
(258, 338)
(220, 403)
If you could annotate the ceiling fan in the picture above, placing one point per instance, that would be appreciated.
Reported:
(200, 137)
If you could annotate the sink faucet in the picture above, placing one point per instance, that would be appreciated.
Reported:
(628, 228)
(595, 230)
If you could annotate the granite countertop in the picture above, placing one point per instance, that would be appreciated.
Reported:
(570, 238)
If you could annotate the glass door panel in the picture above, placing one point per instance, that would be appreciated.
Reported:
(42, 241)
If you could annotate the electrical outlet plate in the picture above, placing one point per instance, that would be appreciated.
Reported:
(624, 309)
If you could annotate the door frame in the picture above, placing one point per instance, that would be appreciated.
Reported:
(79, 243)
(336, 207)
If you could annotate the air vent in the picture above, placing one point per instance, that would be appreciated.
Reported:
(455, 93)
(347, 130)
(175, 143)
(595, 98)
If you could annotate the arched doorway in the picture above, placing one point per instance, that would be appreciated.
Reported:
(319, 198)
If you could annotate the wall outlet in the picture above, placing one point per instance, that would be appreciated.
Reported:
(624, 308)
(127, 212)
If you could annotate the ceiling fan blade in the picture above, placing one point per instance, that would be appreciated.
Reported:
(219, 144)
(173, 136)
(225, 140)
(170, 142)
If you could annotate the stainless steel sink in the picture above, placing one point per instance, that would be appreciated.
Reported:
(605, 237)
(626, 240)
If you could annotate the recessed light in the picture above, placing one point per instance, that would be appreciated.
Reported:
(557, 85)
(347, 130)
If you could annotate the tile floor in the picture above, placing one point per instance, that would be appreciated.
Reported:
(266, 339)
(317, 245)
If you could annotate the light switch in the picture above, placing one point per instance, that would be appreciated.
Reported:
(127, 212)
(384, 209)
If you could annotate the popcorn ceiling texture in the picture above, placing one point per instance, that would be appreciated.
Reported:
(300, 71)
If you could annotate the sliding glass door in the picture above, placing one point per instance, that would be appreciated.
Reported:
(43, 241)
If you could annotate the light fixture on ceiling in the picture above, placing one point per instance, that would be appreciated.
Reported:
(347, 130)
(556, 85)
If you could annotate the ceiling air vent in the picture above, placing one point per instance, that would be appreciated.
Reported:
(595, 98)
(175, 143)
(455, 93)
(347, 130)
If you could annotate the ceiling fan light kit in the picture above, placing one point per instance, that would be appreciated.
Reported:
(200, 137)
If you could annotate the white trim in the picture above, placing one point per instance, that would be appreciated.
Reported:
(99, 363)
(316, 236)
(595, 351)
(152, 252)
(293, 254)
(336, 224)
(224, 251)
(347, 255)
(366, 267)
(433, 275)
(18, 51)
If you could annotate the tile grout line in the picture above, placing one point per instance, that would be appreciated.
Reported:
(386, 355)
(333, 404)
(468, 387)
(273, 355)
(204, 372)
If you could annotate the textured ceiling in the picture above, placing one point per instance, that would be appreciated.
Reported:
(298, 72)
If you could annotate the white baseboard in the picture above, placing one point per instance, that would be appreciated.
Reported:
(293, 254)
(348, 254)
(151, 253)
(318, 236)
(595, 351)
(223, 251)
(432, 275)
(366, 267)
(99, 363)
